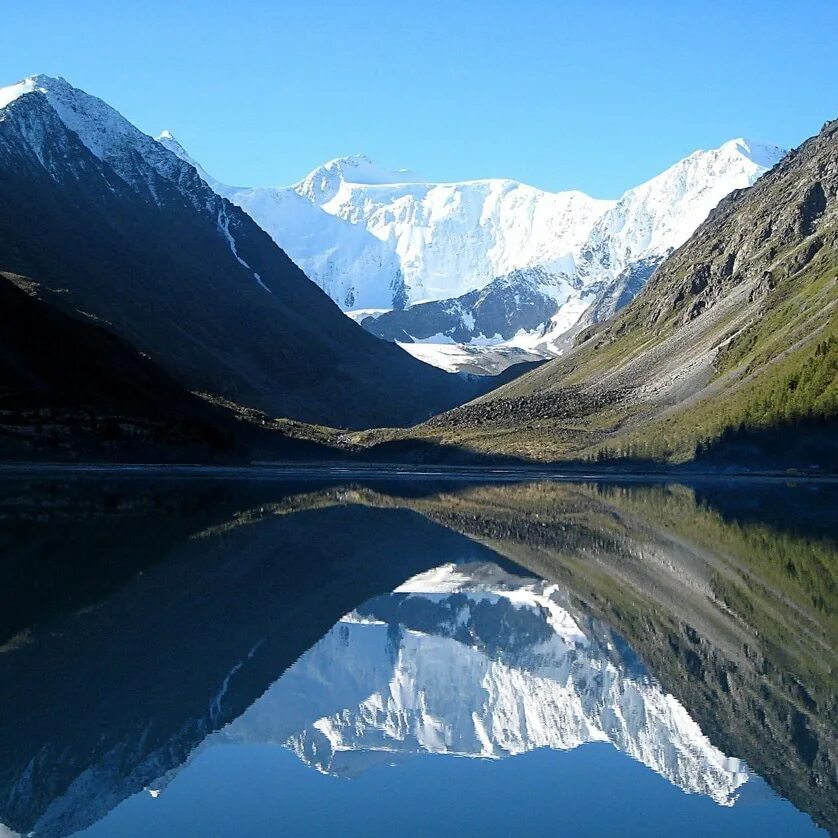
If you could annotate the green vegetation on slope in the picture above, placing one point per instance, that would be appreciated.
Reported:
(796, 390)
(781, 371)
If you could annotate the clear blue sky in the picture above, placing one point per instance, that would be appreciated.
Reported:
(591, 95)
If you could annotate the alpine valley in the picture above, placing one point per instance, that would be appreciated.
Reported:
(373, 505)
(694, 317)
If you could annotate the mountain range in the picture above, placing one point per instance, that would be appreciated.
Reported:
(491, 262)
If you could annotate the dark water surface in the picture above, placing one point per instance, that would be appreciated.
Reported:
(222, 657)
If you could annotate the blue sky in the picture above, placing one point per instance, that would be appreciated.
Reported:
(597, 96)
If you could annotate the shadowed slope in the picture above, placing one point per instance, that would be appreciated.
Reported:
(126, 231)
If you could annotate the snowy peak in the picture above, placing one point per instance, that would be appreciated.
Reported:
(658, 216)
(360, 169)
(322, 184)
(168, 140)
(737, 160)
(101, 129)
(759, 153)
(99, 126)
(13, 92)
(170, 143)
(55, 86)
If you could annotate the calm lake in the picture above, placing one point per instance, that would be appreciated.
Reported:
(210, 656)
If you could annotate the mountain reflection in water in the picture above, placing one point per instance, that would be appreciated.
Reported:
(472, 661)
(694, 632)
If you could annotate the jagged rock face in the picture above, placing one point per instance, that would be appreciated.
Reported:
(619, 292)
(471, 661)
(762, 236)
(131, 234)
(521, 301)
(530, 312)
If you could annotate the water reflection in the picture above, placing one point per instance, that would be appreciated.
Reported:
(144, 625)
(472, 661)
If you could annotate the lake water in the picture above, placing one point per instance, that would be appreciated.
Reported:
(229, 657)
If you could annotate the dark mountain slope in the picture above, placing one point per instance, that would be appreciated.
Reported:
(735, 332)
(130, 233)
(49, 359)
(71, 389)
(68, 381)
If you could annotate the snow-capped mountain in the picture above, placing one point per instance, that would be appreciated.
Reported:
(609, 263)
(354, 267)
(119, 227)
(381, 240)
(472, 661)
(404, 241)
(103, 131)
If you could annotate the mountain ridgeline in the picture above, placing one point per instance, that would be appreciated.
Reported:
(484, 263)
(730, 350)
(118, 227)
